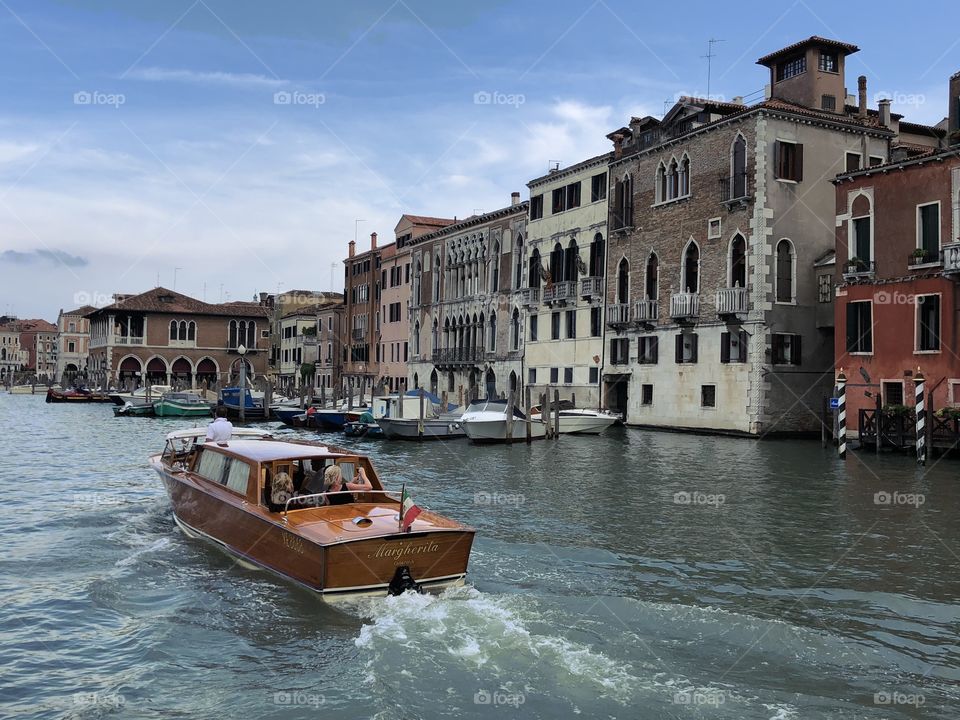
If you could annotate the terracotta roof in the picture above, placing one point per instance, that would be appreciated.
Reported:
(85, 310)
(804, 44)
(427, 220)
(871, 120)
(692, 100)
(35, 326)
(918, 129)
(178, 303)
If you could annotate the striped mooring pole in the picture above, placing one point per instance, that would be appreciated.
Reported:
(842, 415)
(921, 410)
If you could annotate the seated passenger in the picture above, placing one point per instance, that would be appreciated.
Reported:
(281, 489)
(333, 483)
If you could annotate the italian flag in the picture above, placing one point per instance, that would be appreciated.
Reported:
(408, 511)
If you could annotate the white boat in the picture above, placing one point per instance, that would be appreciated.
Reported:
(486, 421)
(578, 420)
(146, 395)
(28, 390)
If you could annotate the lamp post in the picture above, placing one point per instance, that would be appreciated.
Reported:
(242, 395)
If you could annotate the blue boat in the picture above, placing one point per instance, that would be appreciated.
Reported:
(230, 399)
(287, 415)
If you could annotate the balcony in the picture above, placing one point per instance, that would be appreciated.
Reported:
(359, 334)
(857, 269)
(921, 257)
(618, 314)
(735, 190)
(646, 312)
(685, 306)
(591, 287)
(951, 259)
(732, 301)
(457, 356)
(530, 297)
(563, 291)
(128, 340)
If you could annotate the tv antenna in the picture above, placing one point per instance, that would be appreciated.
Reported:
(709, 56)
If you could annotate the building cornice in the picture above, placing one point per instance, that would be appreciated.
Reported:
(898, 165)
(595, 161)
(518, 209)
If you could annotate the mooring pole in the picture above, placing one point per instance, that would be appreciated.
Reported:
(918, 380)
(842, 416)
(527, 410)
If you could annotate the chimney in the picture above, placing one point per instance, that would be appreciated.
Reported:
(862, 92)
(373, 241)
(954, 105)
(884, 105)
(514, 198)
(353, 248)
(617, 146)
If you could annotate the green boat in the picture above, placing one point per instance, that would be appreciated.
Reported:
(182, 404)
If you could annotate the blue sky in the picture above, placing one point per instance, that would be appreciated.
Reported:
(140, 137)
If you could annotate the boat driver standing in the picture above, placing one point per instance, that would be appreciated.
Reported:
(220, 430)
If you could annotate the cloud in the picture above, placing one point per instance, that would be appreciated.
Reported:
(239, 80)
(40, 255)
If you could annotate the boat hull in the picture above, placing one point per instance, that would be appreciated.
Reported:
(362, 565)
(54, 396)
(582, 424)
(495, 430)
(167, 408)
(409, 429)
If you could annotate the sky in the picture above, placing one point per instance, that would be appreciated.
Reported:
(228, 147)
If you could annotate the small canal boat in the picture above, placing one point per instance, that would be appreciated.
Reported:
(486, 421)
(574, 420)
(365, 426)
(443, 427)
(252, 405)
(76, 395)
(146, 395)
(131, 410)
(222, 492)
(182, 404)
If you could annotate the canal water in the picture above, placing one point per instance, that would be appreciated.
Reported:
(635, 575)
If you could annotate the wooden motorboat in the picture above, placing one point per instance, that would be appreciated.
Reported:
(574, 420)
(76, 395)
(146, 395)
(221, 492)
(444, 427)
(131, 410)
(486, 421)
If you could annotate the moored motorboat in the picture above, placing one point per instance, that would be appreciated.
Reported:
(252, 404)
(131, 410)
(76, 395)
(443, 427)
(574, 420)
(220, 491)
(146, 395)
(486, 421)
(28, 389)
(182, 404)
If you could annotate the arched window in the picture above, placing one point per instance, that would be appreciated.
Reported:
(738, 168)
(571, 261)
(416, 338)
(232, 343)
(691, 268)
(437, 275)
(860, 237)
(738, 262)
(556, 263)
(515, 330)
(673, 179)
(183, 330)
(417, 274)
(491, 382)
(652, 287)
(192, 331)
(435, 337)
(173, 329)
(785, 290)
(684, 176)
(495, 268)
(492, 344)
(596, 256)
(534, 276)
(518, 268)
(661, 182)
(480, 327)
(623, 282)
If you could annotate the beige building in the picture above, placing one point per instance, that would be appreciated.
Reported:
(12, 358)
(73, 343)
(562, 268)
(329, 348)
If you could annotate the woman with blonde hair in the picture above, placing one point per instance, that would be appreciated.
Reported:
(333, 482)
(281, 488)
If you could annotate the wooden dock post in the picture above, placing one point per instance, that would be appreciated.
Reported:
(420, 421)
(267, 399)
(510, 416)
(556, 413)
(878, 420)
(544, 415)
(443, 402)
(842, 417)
(529, 430)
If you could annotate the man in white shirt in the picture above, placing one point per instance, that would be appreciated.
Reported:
(220, 429)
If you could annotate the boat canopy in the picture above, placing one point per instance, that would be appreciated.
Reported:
(201, 432)
(431, 397)
(492, 405)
